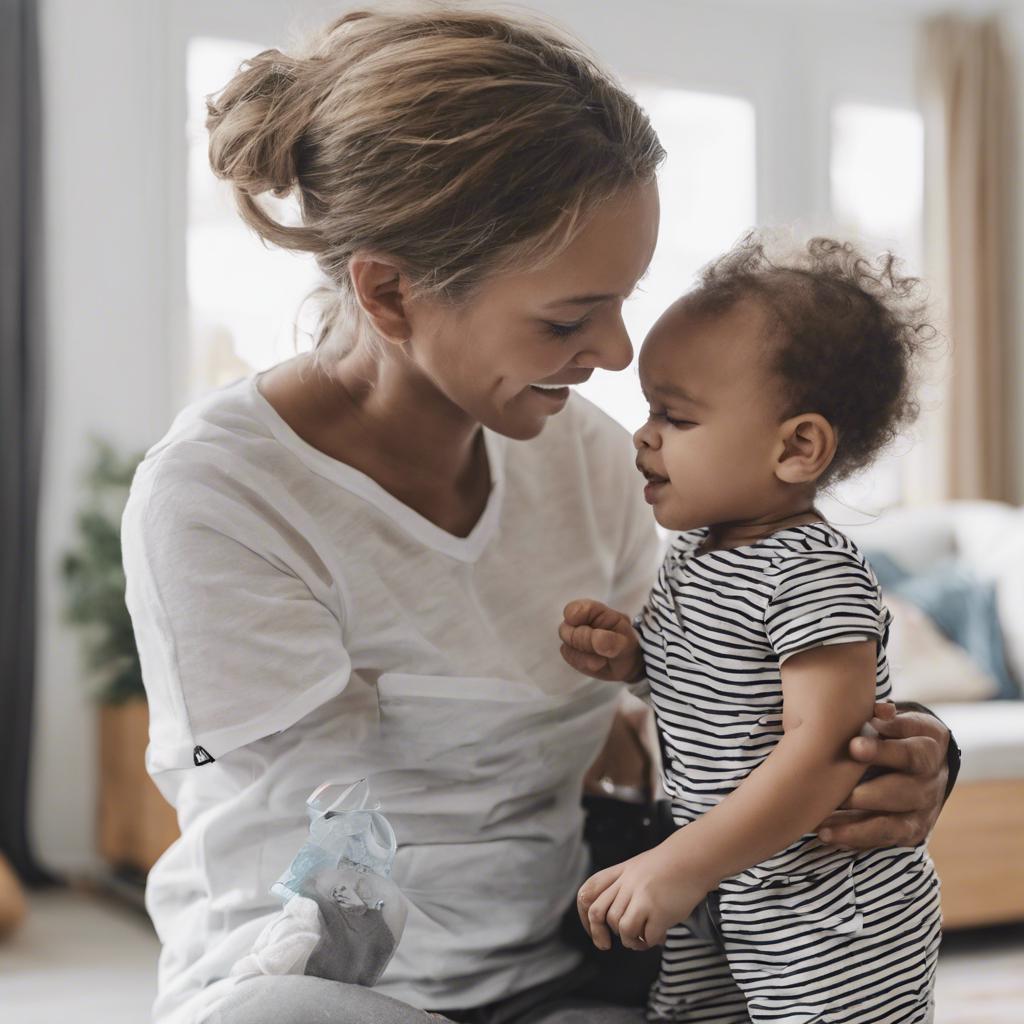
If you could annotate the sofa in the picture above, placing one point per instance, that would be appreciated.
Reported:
(978, 843)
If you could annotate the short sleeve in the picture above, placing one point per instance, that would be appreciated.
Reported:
(828, 598)
(239, 631)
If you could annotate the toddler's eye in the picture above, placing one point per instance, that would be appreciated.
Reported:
(560, 330)
(670, 421)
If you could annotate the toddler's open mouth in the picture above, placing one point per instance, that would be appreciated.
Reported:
(654, 484)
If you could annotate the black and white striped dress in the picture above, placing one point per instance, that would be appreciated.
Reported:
(812, 933)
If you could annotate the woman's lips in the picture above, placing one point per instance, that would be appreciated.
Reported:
(555, 396)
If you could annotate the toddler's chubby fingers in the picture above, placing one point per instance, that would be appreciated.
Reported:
(589, 640)
(597, 917)
(591, 890)
(584, 611)
(632, 925)
(588, 664)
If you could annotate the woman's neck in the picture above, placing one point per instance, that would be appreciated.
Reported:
(402, 418)
(399, 432)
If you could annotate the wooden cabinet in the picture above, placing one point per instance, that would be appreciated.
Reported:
(136, 824)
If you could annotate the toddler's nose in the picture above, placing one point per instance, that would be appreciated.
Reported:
(645, 437)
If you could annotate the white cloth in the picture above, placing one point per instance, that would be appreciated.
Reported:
(300, 625)
(286, 943)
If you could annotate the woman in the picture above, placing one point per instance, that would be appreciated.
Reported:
(354, 564)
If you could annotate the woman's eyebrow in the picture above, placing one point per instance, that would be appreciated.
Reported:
(583, 300)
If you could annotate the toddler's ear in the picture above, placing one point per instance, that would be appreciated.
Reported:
(807, 445)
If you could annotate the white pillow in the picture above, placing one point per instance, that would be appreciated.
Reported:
(926, 667)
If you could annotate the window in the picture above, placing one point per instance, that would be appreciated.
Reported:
(243, 296)
(877, 176)
(877, 195)
(708, 199)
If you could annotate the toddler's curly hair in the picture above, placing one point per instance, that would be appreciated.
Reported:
(846, 333)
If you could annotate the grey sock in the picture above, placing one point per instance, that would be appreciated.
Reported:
(363, 916)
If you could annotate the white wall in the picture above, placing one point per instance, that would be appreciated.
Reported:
(114, 92)
(107, 358)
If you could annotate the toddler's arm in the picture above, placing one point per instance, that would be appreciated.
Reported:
(828, 694)
(600, 642)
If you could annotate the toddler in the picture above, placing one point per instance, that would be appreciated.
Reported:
(762, 649)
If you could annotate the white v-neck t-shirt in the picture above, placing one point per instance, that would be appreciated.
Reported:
(298, 625)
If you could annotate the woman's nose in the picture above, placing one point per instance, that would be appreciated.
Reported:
(613, 351)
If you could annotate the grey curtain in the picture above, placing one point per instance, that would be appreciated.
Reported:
(21, 385)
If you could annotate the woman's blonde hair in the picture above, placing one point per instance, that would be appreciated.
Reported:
(459, 143)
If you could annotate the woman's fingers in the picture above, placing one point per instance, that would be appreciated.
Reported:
(912, 754)
(891, 793)
(885, 710)
(871, 831)
(910, 725)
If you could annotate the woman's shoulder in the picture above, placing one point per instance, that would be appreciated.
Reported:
(218, 458)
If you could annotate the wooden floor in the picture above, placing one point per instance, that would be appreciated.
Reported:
(981, 977)
(91, 961)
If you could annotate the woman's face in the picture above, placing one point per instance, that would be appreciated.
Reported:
(507, 357)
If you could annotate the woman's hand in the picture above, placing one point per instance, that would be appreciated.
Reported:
(900, 806)
(639, 899)
(600, 642)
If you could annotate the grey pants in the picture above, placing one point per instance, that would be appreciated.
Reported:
(297, 999)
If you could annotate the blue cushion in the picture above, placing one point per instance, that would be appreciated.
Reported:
(961, 606)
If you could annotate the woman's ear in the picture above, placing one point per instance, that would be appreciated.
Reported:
(380, 289)
(807, 446)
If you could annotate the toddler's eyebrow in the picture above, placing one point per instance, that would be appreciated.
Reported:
(677, 392)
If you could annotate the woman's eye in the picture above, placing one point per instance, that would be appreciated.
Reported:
(560, 330)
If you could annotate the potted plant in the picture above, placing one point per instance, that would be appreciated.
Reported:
(135, 823)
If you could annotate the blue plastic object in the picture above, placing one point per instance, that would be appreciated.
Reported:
(342, 830)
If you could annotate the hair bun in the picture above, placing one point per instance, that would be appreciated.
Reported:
(255, 123)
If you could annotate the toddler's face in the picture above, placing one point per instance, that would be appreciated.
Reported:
(711, 443)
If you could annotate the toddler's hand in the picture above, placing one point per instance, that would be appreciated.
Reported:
(639, 900)
(600, 642)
